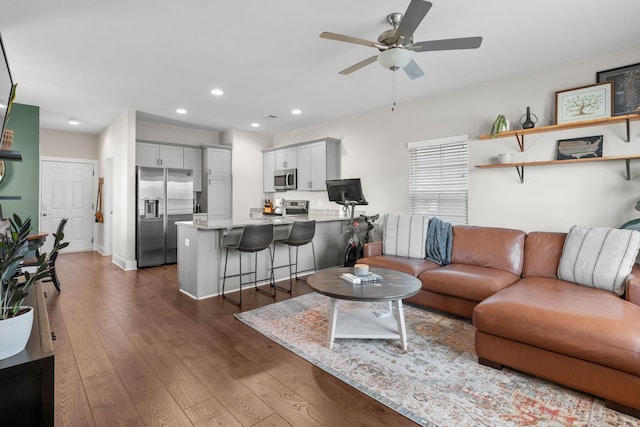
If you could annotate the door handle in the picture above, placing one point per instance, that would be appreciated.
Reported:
(44, 214)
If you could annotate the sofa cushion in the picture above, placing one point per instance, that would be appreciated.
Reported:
(498, 248)
(413, 266)
(599, 257)
(468, 282)
(542, 251)
(405, 235)
(565, 318)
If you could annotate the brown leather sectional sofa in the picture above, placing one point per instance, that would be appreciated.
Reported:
(528, 319)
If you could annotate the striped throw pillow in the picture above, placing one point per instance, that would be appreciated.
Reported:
(405, 235)
(599, 257)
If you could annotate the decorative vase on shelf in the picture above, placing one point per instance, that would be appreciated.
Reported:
(528, 120)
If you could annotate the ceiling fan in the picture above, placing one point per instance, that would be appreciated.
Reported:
(396, 45)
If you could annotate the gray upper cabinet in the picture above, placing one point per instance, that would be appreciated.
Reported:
(286, 158)
(216, 194)
(193, 161)
(159, 155)
(316, 162)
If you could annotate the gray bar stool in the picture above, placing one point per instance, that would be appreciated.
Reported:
(254, 238)
(301, 233)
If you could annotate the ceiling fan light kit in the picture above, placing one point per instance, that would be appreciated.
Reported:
(395, 58)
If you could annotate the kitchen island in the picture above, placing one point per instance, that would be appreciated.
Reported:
(201, 253)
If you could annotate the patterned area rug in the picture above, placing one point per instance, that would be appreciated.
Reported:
(438, 381)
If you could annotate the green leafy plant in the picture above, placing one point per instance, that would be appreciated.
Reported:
(499, 125)
(14, 283)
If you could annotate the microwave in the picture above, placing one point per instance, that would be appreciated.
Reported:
(285, 179)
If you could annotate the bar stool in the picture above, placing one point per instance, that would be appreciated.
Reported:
(301, 233)
(254, 238)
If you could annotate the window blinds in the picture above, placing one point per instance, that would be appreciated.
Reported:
(438, 183)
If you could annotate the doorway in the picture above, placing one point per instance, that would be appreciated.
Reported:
(66, 191)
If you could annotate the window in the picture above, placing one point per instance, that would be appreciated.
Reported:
(438, 184)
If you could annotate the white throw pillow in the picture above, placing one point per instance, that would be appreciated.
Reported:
(405, 235)
(599, 257)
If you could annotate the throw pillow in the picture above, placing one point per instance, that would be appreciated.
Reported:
(405, 235)
(599, 257)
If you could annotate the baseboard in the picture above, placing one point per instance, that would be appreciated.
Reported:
(195, 298)
(124, 264)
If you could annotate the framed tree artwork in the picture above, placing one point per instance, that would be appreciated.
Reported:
(584, 103)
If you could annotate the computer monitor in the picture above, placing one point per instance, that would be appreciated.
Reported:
(342, 191)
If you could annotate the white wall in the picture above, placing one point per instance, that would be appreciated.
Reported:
(117, 141)
(246, 169)
(175, 134)
(55, 143)
(552, 197)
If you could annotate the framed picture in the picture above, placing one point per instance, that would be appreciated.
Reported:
(584, 103)
(578, 148)
(626, 88)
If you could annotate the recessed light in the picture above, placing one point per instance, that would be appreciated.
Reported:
(255, 125)
(296, 111)
(181, 111)
(74, 122)
(217, 92)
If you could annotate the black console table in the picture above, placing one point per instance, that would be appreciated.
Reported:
(26, 379)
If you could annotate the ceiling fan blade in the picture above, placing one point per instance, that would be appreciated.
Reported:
(448, 44)
(349, 39)
(359, 65)
(413, 70)
(412, 18)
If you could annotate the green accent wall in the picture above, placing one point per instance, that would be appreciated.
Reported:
(23, 178)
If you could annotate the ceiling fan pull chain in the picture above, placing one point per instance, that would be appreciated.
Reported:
(393, 90)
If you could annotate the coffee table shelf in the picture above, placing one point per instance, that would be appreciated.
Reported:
(365, 324)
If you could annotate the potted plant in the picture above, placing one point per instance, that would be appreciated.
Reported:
(15, 319)
(501, 124)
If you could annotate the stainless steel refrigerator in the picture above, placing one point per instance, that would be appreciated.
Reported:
(163, 196)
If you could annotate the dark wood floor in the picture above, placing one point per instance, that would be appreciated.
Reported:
(132, 350)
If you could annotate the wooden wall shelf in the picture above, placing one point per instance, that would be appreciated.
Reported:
(521, 165)
(10, 155)
(520, 134)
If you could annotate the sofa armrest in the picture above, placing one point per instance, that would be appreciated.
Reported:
(632, 293)
(372, 249)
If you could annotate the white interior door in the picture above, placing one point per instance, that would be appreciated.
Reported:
(67, 192)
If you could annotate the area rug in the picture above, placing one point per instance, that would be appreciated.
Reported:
(437, 381)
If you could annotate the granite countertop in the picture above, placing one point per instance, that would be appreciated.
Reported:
(256, 219)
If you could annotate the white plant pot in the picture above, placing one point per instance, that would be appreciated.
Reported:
(14, 333)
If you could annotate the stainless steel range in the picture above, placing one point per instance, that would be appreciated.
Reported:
(292, 207)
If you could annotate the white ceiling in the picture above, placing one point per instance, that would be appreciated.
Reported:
(91, 59)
